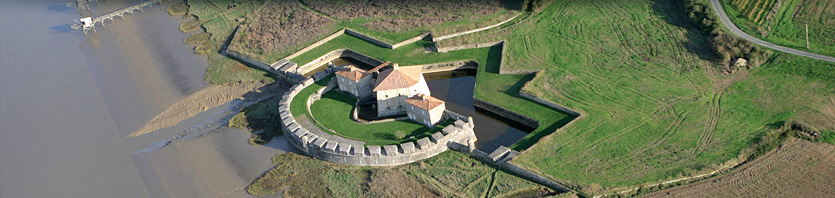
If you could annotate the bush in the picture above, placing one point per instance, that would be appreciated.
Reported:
(399, 135)
(535, 5)
(726, 47)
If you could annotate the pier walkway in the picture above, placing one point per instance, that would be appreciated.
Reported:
(89, 23)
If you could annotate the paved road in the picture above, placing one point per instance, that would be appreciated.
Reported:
(735, 30)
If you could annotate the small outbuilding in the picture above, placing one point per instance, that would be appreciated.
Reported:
(425, 109)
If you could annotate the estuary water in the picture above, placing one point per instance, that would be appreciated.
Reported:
(68, 101)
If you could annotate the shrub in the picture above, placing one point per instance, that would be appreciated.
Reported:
(399, 135)
(726, 47)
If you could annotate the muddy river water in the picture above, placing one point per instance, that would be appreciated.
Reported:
(67, 101)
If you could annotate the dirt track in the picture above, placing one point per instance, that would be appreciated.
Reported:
(798, 168)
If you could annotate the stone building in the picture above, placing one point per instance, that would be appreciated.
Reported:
(425, 109)
(395, 85)
(355, 81)
(392, 86)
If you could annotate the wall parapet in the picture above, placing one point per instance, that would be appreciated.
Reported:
(507, 113)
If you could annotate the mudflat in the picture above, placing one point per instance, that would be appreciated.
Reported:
(220, 164)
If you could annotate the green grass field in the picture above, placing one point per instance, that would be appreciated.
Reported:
(656, 109)
(449, 174)
(784, 22)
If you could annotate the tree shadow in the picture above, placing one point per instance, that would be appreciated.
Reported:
(674, 13)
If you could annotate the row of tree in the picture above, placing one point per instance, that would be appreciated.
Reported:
(727, 47)
(535, 5)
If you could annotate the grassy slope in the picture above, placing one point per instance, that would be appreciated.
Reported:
(788, 25)
(333, 111)
(449, 174)
(655, 108)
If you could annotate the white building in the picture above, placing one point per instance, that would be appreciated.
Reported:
(354, 80)
(393, 86)
(425, 109)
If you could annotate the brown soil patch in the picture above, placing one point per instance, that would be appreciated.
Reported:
(381, 180)
(798, 168)
(198, 102)
(283, 24)
(405, 14)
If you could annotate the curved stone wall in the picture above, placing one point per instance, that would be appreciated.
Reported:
(345, 151)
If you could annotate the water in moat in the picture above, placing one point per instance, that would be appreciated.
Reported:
(456, 88)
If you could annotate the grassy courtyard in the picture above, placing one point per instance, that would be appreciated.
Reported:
(333, 112)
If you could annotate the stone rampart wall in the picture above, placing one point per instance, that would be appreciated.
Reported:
(447, 66)
(549, 104)
(336, 149)
(473, 30)
(468, 46)
(370, 39)
(339, 53)
(411, 40)
(315, 45)
(506, 113)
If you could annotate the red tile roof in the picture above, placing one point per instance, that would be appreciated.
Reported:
(398, 77)
(353, 73)
(424, 102)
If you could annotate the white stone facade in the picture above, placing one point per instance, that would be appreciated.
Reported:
(359, 88)
(391, 102)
